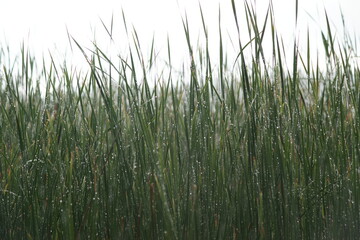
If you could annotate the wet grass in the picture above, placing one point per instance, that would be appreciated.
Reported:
(247, 151)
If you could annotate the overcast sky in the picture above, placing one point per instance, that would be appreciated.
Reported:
(43, 24)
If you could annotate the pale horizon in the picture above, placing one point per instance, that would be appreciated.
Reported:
(44, 25)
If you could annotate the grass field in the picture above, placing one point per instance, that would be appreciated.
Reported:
(221, 151)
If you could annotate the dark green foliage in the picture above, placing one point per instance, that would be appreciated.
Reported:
(254, 152)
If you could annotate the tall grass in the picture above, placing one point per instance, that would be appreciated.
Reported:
(243, 151)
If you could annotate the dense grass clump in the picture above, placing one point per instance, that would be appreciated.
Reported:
(249, 151)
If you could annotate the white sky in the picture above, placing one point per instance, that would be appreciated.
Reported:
(42, 24)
